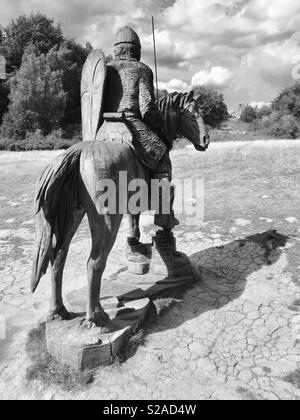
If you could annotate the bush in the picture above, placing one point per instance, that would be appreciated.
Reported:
(264, 111)
(284, 127)
(278, 125)
(36, 141)
(248, 115)
(212, 105)
(288, 102)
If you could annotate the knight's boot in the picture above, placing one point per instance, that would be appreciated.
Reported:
(165, 258)
(138, 256)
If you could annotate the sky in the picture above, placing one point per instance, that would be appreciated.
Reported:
(247, 49)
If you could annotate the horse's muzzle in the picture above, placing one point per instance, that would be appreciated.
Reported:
(203, 146)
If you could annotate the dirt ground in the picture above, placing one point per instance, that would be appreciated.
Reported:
(234, 335)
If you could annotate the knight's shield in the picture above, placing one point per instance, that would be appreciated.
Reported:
(92, 88)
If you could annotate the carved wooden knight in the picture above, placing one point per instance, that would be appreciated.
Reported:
(128, 96)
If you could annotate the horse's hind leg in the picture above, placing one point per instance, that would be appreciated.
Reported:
(104, 232)
(57, 309)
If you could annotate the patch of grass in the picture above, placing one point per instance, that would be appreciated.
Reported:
(159, 307)
(46, 370)
(181, 143)
(295, 307)
(167, 299)
(129, 350)
(163, 305)
(293, 378)
(246, 394)
(297, 303)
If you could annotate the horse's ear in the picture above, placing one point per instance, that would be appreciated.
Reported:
(197, 97)
(190, 96)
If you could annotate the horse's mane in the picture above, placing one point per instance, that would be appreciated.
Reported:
(176, 101)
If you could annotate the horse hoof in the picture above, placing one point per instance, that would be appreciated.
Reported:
(60, 314)
(99, 320)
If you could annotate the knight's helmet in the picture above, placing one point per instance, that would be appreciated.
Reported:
(127, 44)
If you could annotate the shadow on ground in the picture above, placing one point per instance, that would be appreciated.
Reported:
(223, 279)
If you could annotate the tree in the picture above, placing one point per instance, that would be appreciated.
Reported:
(45, 37)
(4, 90)
(212, 105)
(264, 111)
(2, 35)
(288, 101)
(69, 59)
(37, 98)
(248, 115)
(37, 30)
(281, 126)
(161, 93)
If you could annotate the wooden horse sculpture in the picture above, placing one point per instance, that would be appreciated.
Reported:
(69, 188)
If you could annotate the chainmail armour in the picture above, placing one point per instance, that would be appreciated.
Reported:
(130, 89)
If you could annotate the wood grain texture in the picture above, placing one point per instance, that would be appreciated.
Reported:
(92, 87)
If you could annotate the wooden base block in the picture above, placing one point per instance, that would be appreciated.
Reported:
(73, 344)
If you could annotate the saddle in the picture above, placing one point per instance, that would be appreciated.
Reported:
(114, 129)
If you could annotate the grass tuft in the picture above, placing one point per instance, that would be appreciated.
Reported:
(45, 369)
(293, 378)
(129, 350)
(163, 305)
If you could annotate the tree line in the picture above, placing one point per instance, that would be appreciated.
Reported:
(280, 119)
(40, 100)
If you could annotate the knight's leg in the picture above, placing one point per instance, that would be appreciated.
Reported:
(57, 308)
(134, 229)
(104, 232)
(165, 217)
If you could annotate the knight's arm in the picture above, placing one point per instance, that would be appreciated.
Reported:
(148, 109)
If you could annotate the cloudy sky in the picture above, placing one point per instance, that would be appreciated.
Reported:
(245, 48)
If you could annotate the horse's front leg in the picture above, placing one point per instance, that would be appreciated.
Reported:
(134, 229)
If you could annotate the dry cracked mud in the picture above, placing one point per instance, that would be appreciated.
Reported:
(234, 335)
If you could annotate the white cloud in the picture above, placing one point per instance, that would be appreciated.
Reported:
(215, 77)
(175, 85)
(206, 42)
(259, 105)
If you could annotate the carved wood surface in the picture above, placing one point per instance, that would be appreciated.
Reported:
(92, 87)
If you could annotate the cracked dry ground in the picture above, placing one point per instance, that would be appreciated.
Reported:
(234, 335)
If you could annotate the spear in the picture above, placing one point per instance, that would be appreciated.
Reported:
(155, 57)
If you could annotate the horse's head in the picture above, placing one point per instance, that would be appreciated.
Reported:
(192, 125)
(182, 117)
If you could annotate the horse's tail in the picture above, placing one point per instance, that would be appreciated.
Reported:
(56, 197)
